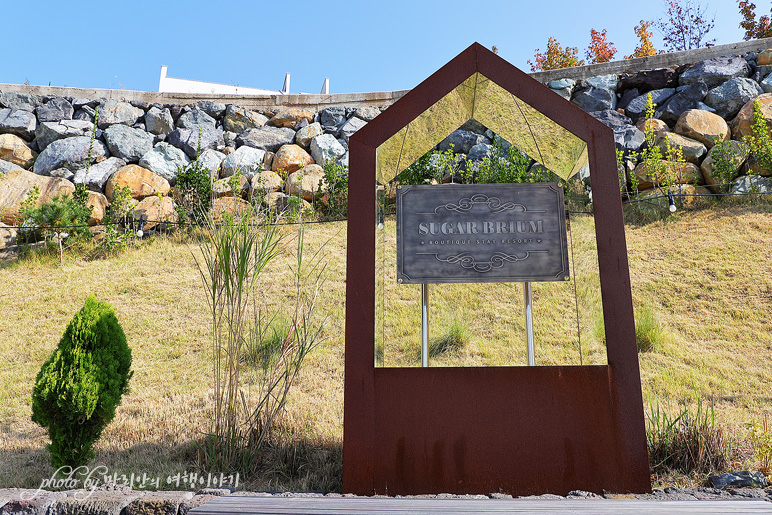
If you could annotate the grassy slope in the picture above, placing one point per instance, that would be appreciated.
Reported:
(705, 274)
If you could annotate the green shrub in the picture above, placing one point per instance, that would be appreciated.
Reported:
(79, 387)
(194, 191)
(503, 165)
(758, 142)
(335, 202)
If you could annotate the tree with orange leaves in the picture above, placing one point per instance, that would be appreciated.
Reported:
(600, 50)
(754, 29)
(645, 47)
(555, 57)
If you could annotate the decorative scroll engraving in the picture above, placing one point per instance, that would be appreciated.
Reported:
(496, 260)
(495, 204)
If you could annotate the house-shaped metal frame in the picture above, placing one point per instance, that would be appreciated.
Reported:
(517, 430)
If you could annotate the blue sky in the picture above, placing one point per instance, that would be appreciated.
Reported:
(360, 46)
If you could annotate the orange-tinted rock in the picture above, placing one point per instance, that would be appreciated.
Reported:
(676, 173)
(742, 123)
(308, 182)
(764, 57)
(289, 118)
(266, 182)
(15, 150)
(655, 124)
(156, 210)
(141, 181)
(16, 185)
(290, 158)
(224, 187)
(234, 206)
(98, 203)
(693, 151)
(702, 126)
(737, 155)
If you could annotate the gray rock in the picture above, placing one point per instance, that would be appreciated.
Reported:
(101, 502)
(239, 119)
(332, 117)
(304, 136)
(19, 122)
(165, 160)
(564, 92)
(647, 80)
(62, 173)
(214, 109)
(627, 97)
(112, 112)
(705, 107)
(86, 113)
(54, 110)
(637, 106)
(479, 152)
(612, 118)
(266, 138)
(602, 81)
(715, 71)
(127, 143)
(687, 98)
(159, 121)
(211, 160)
(326, 148)
(742, 479)
(29, 502)
(461, 141)
(628, 138)
(764, 69)
(230, 139)
(158, 503)
(561, 83)
(366, 113)
(98, 174)
(194, 117)
(71, 153)
(7, 166)
(47, 132)
(352, 125)
(473, 125)
(752, 184)
(78, 103)
(21, 101)
(595, 99)
(246, 160)
(766, 84)
(200, 138)
(728, 98)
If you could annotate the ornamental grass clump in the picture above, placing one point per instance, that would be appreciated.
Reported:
(79, 387)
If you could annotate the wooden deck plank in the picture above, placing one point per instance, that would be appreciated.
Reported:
(254, 505)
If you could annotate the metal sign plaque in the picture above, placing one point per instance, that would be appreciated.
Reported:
(470, 233)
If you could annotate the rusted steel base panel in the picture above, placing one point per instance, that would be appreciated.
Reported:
(520, 431)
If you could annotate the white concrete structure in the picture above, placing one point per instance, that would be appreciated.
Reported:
(173, 85)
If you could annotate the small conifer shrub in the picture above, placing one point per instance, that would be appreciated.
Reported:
(79, 387)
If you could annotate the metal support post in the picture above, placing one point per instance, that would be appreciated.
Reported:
(529, 323)
(424, 325)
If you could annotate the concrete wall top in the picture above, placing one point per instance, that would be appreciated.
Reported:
(386, 98)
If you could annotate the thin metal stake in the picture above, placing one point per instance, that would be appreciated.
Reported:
(529, 323)
(424, 325)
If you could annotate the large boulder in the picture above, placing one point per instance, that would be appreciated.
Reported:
(715, 71)
(308, 183)
(702, 126)
(689, 97)
(96, 176)
(225, 187)
(15, 186)
(140, 181)
(266, 182)
(157, 211)
(648, 80)
(290, 158)
(652, 124)
(192, 118)
(366, 113)
(47, 132)
(667, 171)
(98, 204)
(15, 150)
(602, 81)
(71, 153)
(211, 160)
(54, 110)
(291, 118)
(165, 160)
(729, 97)
(742, 125)
(332, 118)
(113, 111)
(752, 184)
(595, 99)
(637, 107)
(326, 148)
(352, 125)
(610, 118)
(128, 143)
(7, 166)
(18, 121)
(229, 206)
(461, 141)
(692, 150)
(269, 139)
(214, 109)
(200, 138)
(23, 101)
(245, 160)
(734, 157)
(628, 138)
(238, 119)
(304, 136)
(159, 121)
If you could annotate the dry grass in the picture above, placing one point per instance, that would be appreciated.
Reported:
(705, 274)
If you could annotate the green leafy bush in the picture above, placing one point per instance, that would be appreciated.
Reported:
(335, 203)
(194, 191)
(503, 165)
(79, 387)
(758, 142)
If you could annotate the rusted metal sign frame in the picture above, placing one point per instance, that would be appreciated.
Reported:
(469, 233)
(519, 430)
